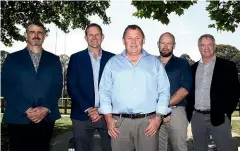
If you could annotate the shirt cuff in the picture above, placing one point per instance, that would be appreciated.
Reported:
(163, 110)
(87, 110)
(105, 109)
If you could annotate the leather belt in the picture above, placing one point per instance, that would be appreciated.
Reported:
(134, 116)
(203, 111)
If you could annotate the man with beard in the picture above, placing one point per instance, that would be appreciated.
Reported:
(173, 132)
(31, 86)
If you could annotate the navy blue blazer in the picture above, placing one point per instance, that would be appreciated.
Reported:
(23, 87)
(80, 84)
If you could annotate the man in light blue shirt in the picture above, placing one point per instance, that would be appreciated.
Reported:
(134, 95)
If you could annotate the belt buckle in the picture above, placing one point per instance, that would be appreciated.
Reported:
(134, 115)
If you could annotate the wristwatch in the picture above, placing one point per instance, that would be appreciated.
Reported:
(160, 115)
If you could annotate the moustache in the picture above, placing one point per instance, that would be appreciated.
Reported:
(165, 49)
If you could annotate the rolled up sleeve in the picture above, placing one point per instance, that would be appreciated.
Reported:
(105, 90)
(163, 89)
(186, 77)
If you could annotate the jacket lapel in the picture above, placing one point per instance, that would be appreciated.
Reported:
(43, 62)
(194, 70)
(88, 68)
(103, 62)
(216, 71)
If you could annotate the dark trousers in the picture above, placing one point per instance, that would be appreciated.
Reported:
(30, 137)
(83, 132)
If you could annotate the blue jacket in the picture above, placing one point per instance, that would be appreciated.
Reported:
(80, 84)
(23, 87)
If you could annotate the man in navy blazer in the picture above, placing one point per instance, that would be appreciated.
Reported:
(31, 86)
(84, 73)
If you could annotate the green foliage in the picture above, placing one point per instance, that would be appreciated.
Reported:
(229, 52)
(160, 10)
(226, 51)
(226, 15)
(188, 58)
(3, 57)
(64, 14)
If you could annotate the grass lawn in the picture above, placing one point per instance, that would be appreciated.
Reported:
(62, 125)
(236, 126)
(235, 114)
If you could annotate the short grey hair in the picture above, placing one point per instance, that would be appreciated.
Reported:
(206, 36)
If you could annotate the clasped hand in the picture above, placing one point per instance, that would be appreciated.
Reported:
(37, 114)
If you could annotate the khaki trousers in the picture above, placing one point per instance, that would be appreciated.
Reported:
(173, 134)
(132, 136)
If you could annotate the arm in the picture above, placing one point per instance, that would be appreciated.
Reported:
(163, 89)
(11, 94)
(178, 96)
(233, 88)
(72, 85)
(185, 83)
(105, 90)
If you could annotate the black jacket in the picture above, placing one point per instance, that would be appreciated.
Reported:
(224, 91)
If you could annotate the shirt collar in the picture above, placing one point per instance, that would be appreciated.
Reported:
(91, 53)
(32, 52)
(144, 53)
(212, 60)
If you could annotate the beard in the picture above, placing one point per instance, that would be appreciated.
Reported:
(166, 54)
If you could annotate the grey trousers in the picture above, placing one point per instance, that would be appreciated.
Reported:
(83, 132)
(202, 129)
(173, 134)
(132, 137)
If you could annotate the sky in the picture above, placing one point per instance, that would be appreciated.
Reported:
(186, 29)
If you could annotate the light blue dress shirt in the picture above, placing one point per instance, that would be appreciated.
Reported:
(129, 89)
(96, 68)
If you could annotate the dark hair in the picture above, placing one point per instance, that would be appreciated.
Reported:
(35, 22)
(133, 27)
(93, 25)
(167, 33)
(206, 36)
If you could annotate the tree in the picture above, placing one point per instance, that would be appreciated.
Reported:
(64, 14)
(229, 52)
(3, 57)
(64, 61)
(226, 15)
(188, 58)
(226, 51)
